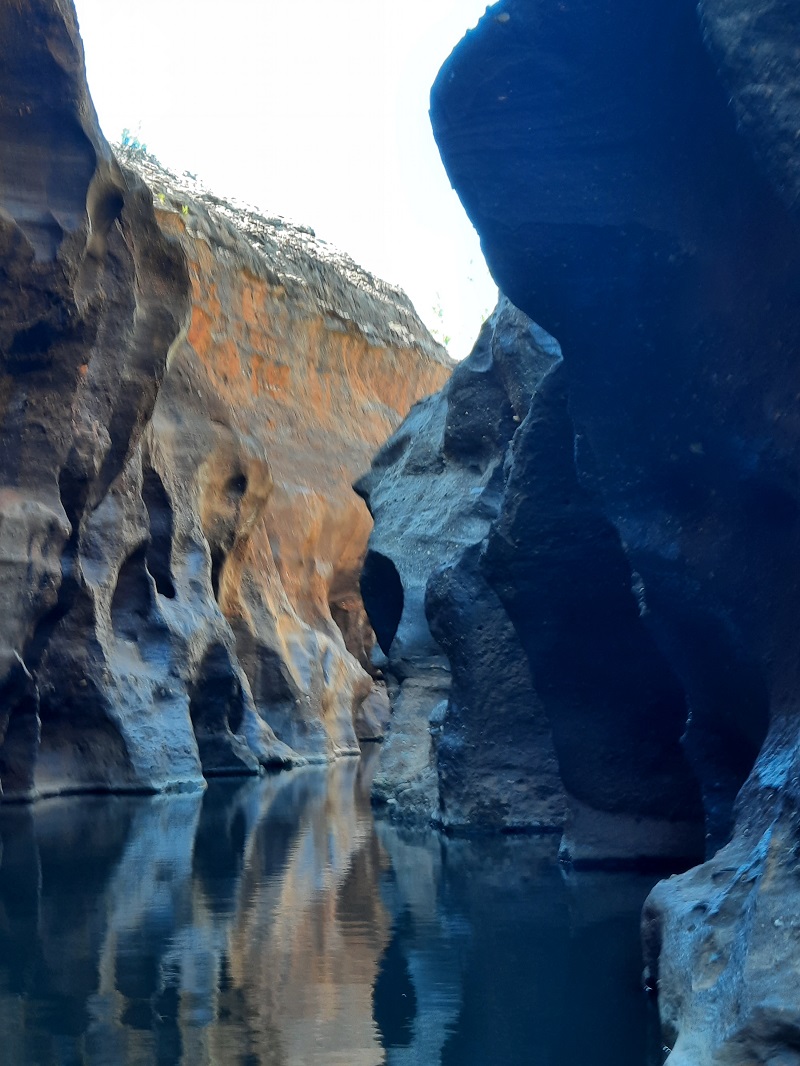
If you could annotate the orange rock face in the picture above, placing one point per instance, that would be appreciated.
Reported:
(297, 365)
(186, 394)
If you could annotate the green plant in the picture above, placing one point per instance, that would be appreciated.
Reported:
(132, 142)
(443, 338)
(130, 145)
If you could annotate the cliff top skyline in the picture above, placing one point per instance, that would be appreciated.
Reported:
(314, 112)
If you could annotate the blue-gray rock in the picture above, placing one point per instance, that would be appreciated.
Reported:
(632, 170)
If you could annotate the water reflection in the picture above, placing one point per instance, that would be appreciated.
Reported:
(513, 961)
(270, 923)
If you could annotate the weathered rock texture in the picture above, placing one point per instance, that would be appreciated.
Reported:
(187, 393)
(296, 365)
(528, 692)
(93, 297)
(459, 680)
(632, 169)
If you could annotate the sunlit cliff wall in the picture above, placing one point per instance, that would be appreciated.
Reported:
(188, 390)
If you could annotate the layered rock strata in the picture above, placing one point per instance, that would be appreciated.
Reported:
(632, 170)
(188, 390)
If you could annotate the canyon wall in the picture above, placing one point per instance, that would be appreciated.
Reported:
(188, 390)
(458, 678)
(632, 169)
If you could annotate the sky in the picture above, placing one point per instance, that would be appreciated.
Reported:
(310, 109)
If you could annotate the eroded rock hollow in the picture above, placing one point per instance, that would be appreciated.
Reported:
(632, 169)
(188, 390)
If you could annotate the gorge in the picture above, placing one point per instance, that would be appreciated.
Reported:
(630, 514)
(189, 389)
(574, 617)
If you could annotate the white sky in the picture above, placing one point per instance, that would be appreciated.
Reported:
(311, 109)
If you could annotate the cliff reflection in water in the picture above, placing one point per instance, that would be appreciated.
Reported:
(270, 923)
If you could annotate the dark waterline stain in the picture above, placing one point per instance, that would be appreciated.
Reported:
(272, 923)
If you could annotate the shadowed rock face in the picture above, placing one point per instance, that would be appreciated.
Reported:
(754, 46)
(93, 296)
(616, 710)
(458, 677)
(487, 549)
(187, 393)
(632, 169)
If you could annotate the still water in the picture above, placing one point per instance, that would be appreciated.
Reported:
(271, 922)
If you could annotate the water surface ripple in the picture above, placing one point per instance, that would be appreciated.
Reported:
(271, 922)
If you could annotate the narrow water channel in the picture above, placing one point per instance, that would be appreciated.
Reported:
(272, 922)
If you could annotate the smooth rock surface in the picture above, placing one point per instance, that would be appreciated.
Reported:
(188, 390)
(632, 170)
(94, 295)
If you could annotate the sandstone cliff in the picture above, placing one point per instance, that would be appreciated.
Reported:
(188, 391)
(632, 170)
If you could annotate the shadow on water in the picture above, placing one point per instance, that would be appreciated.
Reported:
(271, 923)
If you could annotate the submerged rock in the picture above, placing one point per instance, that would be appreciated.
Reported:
(632, 170)
(189, 388)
